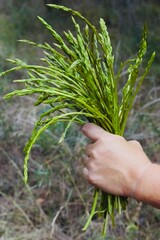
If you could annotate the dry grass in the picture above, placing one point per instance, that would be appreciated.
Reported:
(53, 194)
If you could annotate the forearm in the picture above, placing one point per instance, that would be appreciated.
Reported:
(148, 188)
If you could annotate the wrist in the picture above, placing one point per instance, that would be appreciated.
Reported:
(140, 187)
(147, 188)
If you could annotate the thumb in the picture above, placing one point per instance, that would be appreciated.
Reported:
(93, 131)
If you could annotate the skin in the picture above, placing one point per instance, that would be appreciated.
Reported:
(120, 167)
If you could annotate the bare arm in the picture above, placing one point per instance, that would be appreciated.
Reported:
(120, 167)
(148, 187)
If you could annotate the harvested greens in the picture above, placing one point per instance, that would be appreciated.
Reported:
(78, 82)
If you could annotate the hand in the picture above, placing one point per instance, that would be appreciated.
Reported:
(113, 164)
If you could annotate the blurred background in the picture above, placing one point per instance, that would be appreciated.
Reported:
(54, 204)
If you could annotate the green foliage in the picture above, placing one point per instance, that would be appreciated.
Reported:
(77, 81)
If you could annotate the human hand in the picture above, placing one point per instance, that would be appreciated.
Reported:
(113, 164)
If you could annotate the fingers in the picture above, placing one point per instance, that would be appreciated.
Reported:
(85, 172)
(93, 131)
(88, 167)
(89, 149)
(86, 161)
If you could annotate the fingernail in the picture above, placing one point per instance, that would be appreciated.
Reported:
(85, 126)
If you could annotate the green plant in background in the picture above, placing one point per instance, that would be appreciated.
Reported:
(78, 82)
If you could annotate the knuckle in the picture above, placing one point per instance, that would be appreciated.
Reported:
(121, 138)
(88, 149)
(91, 178)
(94, 153)
(92, 165)
(136, 143)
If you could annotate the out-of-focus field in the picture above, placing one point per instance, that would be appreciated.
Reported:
(56, 201)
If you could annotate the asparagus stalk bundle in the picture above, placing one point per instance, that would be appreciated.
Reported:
(78, 82)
